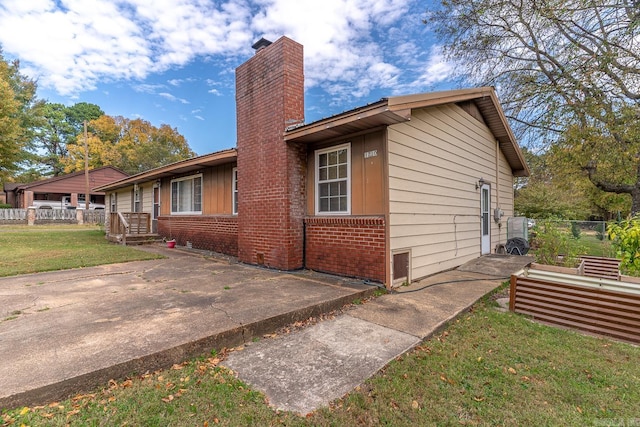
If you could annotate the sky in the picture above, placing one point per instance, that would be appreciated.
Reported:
(173, 61)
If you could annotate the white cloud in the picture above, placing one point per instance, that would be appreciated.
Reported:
(341, 53)
(172, 98)
(148, 88)
(351, 47)
(199, 117)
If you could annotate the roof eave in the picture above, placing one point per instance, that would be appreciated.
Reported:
(183, 166)
(367, 117)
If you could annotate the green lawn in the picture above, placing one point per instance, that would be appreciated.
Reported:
(589, 244)
(487, 368)
(35, 249)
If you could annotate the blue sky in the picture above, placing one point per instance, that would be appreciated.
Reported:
(173, 61)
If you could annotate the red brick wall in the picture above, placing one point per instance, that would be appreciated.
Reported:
(349, 246)
(211, 232)
(271, 173)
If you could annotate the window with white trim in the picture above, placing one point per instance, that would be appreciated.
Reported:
(137, 199)
(333, 180)
(235, 191)
(113, 201)
(186, 195)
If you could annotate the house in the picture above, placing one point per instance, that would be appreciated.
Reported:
(50, 192)
(391, 192)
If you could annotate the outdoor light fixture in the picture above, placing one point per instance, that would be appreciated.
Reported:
(480, 183)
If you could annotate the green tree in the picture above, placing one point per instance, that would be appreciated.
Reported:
(58, 126)
(567, 72)
(18, 105)
(131, 145)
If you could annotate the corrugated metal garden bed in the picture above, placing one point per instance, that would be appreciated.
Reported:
(567, 297)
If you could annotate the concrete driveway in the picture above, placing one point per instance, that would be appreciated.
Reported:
(70, 331)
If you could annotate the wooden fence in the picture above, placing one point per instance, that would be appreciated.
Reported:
(595, 305)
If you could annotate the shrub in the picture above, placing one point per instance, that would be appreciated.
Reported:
(553, 246)
(5, 206)
(575, 230)
(625, 237)
(600, 231)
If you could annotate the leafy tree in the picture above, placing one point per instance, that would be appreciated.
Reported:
(17, 114)
(626, 241)
(59, 125)
(567, 72)
(131, 145)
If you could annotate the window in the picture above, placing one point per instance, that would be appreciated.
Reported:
(137, 199)
(235, 191)
(113, 202)
(333, 173)
(186, 195)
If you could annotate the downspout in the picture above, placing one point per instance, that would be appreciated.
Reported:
(498, 189)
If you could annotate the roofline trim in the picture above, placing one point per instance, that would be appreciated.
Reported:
(228, 154)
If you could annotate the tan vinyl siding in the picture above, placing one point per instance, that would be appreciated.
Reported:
(147, 197)
(435, 161)
(123, 201)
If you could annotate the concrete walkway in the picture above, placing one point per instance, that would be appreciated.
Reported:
(66, 332)
(308, 369)
(70, 331)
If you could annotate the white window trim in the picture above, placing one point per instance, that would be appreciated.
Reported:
(234, 190)
(185, 178)
(113, 202)
(136, 199)
(317, 178)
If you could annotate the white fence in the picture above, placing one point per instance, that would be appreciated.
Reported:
(33, 216)
(56, 215)
(13, 215)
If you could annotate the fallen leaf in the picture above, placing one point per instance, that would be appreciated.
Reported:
(415, 405)
(24, 410)
(176, 367)
(512, 371)
(480, 359)
(127, 383)
(478, 399)
(168, 398)
(579, 409)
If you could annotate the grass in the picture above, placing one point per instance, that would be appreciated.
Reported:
(589, 244)
(486, 368)
(36, 249)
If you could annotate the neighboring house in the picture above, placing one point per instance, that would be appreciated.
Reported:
(49, 193)
(391, 192)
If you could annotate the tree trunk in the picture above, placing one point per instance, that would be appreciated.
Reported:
(635, 201)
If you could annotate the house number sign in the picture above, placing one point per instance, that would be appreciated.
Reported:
(372, 153)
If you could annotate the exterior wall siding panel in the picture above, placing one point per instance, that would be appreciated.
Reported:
(435, 161)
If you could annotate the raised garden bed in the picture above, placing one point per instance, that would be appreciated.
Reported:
(574, 298)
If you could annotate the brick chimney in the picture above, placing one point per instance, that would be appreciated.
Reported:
(271, 173)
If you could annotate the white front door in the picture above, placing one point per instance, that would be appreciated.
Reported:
(485, 204)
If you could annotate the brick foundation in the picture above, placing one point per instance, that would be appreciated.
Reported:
(211, 232)
(348, 246)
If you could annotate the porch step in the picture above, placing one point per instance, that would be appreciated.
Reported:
(136, 239)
